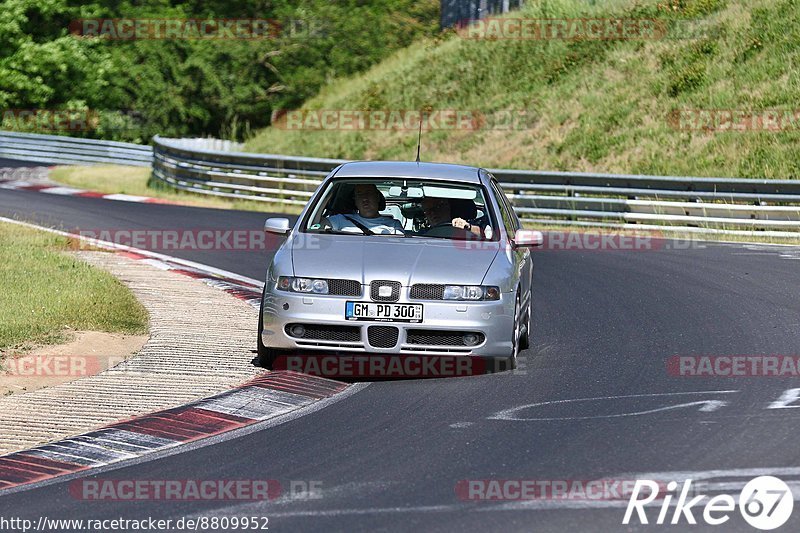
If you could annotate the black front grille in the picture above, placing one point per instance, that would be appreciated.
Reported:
(375, 286)
(440, 338)
(326, 333)
(382, 336)
(424, 291)
(344, 287)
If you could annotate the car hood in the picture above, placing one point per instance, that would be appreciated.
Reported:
(407, 260)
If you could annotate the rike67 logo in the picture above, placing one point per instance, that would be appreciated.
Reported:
(765, 503)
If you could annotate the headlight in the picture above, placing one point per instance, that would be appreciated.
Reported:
(471, 292)
(307, 285)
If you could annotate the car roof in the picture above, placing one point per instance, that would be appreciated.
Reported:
(408, 169)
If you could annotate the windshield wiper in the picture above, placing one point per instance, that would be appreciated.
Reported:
(331, 231)
(444, 237)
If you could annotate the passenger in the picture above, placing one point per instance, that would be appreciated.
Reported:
(369, 201)
(437, 213)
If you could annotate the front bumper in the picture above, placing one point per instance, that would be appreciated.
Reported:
(493, 319)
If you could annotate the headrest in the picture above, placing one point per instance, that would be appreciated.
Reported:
(345, 201)
(463, 208)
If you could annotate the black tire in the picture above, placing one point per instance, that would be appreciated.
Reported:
(525, 340)
(504, 363)
(266, 357)
(512, 359)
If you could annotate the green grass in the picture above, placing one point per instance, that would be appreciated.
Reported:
(137, 181)
(597, 106)
(45, 292)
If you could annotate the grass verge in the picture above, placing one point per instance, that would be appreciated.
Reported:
(113, 179)
(46, 292)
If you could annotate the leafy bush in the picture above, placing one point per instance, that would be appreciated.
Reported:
(139, 88)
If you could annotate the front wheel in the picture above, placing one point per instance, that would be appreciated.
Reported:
(517, 334)
(527, 322)
(503, 363)
(266, 356)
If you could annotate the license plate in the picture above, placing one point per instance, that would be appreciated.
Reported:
(383, 312)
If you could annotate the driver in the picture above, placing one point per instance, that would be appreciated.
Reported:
(368, 200)
(437, 213)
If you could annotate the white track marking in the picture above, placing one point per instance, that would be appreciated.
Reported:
(789, 396)
(707, 406)
(126, 197)
(63, 191)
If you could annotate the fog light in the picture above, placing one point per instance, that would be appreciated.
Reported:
(298, 331)
(470, 339)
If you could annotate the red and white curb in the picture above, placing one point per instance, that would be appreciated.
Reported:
(265, 397)
(245, 289)
(25, 185)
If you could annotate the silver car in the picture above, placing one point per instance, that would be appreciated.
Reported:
(400, 258)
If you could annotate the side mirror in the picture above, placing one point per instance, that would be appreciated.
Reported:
(277, 225)
(527, 238)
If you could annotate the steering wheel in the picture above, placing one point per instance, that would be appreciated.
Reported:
(446, 229)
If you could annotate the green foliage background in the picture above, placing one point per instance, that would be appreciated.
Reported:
(192, 87)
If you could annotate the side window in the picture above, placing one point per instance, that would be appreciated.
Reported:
(507, 202)
(509, 218)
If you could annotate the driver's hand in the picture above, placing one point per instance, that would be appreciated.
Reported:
(460, 223)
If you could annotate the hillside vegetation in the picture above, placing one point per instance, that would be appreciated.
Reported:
(592, 105)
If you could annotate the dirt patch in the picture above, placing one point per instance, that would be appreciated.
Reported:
(87, 354)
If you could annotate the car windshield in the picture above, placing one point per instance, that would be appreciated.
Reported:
(403, 207)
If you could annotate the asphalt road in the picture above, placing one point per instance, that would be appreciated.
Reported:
(605, 323)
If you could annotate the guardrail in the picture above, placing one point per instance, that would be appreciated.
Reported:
(266, 178)
(666, 203)
(58, 149)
